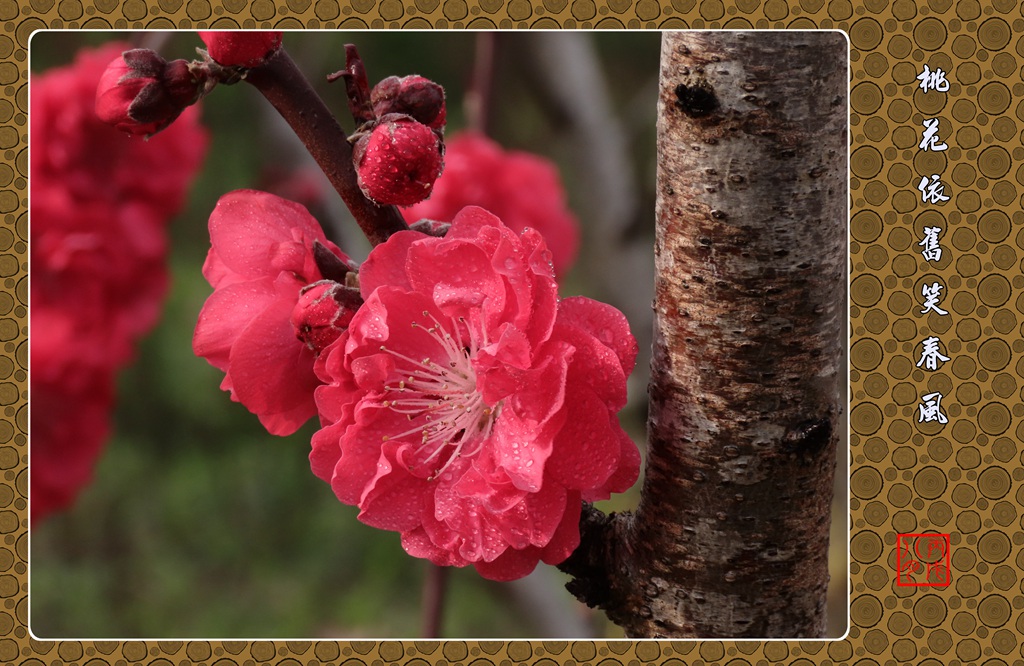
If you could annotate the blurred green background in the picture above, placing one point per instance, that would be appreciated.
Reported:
(200, 524)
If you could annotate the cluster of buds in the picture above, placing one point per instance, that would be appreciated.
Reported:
(141, 93)
(398, 148)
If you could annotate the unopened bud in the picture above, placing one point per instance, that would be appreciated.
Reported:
(323, 312)
(241, 49)
(414, 96)
(398, 161)
(141, 93)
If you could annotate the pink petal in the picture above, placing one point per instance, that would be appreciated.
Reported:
(248, 229)
(272, 372)
(532, 521)
(417, 543)
(473, 285)
(385, 264)
(468, 222)
(605, 323)
(543, 391)
(225, 314)
(491, 489)
(586, 450)
(360, 444)
(566, 538)
(522, 449)
(512, 565)
(594, 365)
(625, 474)
(393, 500)
(326, 450)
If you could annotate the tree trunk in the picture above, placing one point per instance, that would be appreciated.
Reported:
(731, 535)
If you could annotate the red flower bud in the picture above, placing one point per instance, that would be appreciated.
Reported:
(414, 96)
(323, 312)
(398, 162)
(141, 93)
(241, 49)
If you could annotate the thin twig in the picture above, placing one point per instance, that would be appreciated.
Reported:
(477, 101)
(435, 587)
(285, 87)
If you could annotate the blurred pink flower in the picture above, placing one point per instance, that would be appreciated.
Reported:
(469, 409)
(261, 257)
(522, 189)
(100, 202)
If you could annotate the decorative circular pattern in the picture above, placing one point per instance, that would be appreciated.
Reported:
(901, 460)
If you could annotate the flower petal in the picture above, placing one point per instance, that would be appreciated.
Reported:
(272, 372)
(256, 234)
(225, 314)
(393, 500)
(578, 466)
(605, 323)
(385, 264)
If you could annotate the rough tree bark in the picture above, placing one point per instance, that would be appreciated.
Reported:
(731, 535)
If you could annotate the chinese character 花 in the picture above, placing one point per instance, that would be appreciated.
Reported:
(930, 139)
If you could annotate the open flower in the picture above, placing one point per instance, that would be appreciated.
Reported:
(263, 253)
(469, 409)
(521, 188)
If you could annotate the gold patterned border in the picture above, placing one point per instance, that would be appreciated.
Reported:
(909, 474)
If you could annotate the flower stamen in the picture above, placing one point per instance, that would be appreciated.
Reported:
(442, 399)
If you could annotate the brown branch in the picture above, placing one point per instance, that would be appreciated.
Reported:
(477, 101)
(435, 590)
(285, 87)
(731, 535)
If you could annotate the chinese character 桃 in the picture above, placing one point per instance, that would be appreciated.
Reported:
(933, 80)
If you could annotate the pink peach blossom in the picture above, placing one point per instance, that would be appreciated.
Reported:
(469, 409)
(522, 189)
(100, 203)
(261, 257)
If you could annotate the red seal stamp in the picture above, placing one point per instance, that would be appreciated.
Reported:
(922, 560)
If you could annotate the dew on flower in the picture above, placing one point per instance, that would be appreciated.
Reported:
(491, 429)
(443, 398)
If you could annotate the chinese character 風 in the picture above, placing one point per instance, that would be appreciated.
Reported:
(930, 410)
